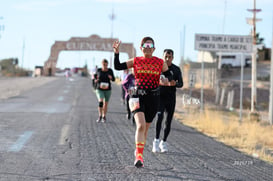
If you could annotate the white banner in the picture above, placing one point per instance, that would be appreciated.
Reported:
(223, 43)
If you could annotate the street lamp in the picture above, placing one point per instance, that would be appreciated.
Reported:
(112, 18)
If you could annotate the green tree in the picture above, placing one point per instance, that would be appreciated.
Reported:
(259, 40)
(7, 64)
(9, 67)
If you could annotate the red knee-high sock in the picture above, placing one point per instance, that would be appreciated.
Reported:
(139, 149)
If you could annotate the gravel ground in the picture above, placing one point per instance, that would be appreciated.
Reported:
(10, 87)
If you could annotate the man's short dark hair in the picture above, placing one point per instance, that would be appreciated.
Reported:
(168, 51)
(104, 61)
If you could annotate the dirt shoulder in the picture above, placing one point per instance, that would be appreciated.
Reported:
(10, 87)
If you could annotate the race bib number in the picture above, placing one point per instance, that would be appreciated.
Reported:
(104, 85)
(134, 104)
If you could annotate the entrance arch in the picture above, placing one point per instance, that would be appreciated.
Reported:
(93, 42)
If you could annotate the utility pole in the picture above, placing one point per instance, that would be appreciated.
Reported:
(202, 84)
(254, 60)
(271, 85)
(23, 53)
(182, 48)
(2, 27)
(112, 18)
(218, 69)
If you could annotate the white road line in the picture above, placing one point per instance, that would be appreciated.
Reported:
(64, 134)
(21, 141)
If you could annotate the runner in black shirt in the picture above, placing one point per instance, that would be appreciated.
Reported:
(103, 78)
(167, 102)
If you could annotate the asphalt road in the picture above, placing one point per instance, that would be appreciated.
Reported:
(50, 133)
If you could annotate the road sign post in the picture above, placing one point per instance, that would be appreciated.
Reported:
(191, 82)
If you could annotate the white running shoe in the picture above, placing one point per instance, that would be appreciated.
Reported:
(103, 119)
(163, 146)
(99, 119)
(156, 146)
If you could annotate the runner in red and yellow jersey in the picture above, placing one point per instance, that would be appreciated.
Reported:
(144, 97)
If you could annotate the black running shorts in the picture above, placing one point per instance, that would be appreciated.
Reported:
(148, 104)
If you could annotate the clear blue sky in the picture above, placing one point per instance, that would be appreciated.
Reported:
(39, 23)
